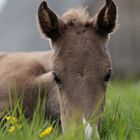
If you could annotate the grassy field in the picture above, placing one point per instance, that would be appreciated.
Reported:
(121, 118)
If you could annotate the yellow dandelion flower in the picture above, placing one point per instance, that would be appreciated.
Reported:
(11, 119)
(46, 132)
(11, 129)
(12, 124)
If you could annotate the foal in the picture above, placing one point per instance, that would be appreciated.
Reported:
(74, 74)
(81, 64)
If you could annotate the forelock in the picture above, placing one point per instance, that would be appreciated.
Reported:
(74, 16)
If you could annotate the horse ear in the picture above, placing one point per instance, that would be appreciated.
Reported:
(49, 23)
(106, 18)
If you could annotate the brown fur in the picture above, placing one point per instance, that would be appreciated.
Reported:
(74, 75)
(25, 73)
(81, 62)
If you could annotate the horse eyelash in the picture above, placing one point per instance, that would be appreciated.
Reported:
(108, 76)
(57, 79)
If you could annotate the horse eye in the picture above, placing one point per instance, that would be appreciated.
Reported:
(108, 76)
(57, 79)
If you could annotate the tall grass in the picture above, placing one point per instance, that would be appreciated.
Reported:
(121, 120)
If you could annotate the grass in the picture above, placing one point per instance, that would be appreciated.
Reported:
(122, 115)
(121, 120)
